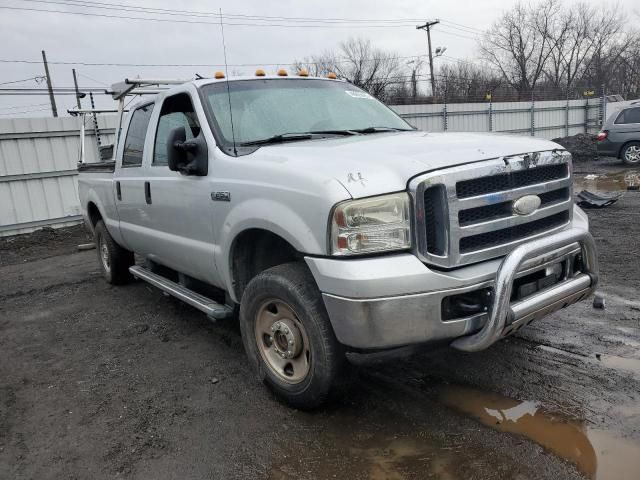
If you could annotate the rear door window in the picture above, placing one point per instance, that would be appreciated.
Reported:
(631, 115)
(134, 142)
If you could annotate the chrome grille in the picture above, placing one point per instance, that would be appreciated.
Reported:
(465, 214)
(506, 181)
(517, 232)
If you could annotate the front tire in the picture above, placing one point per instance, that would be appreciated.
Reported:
(113, 259)
(631, 154)
(288, 336)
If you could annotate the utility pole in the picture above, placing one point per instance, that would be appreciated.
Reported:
(427, 26)
(49, 86)
(75, 84)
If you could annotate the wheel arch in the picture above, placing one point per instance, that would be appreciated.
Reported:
(93, 214)
(254, 250)
(625, 145)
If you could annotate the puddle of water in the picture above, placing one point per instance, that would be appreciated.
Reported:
(372, 456)
(631, 365)
(610, 182)
(598, 454)
(622, 363)
(400, 456)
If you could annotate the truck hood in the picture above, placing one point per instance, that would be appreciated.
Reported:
(384, 162)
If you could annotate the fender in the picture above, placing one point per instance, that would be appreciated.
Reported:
(272, 216)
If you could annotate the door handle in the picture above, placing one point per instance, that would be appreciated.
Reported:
(147, 192)
(118, 191)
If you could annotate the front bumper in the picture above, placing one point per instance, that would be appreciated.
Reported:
(398, 317)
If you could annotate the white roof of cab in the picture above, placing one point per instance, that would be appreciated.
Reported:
(133, 86)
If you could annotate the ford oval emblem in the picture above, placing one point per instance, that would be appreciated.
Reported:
(526, 205)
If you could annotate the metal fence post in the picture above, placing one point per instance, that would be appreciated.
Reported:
(444, 109)
(602, 111)
(491, 113)
(586, 115)
(566, 115)
(533, 115)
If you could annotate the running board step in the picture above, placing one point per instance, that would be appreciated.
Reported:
(202, 303)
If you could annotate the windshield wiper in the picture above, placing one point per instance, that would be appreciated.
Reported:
(289, 137)
(381, 129)
(334, 132)
(283, 137)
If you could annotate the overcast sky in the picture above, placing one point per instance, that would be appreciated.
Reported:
(94, 39)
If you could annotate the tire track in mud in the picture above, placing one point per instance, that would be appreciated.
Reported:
(45, 289)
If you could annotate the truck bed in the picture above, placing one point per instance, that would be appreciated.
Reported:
(108, 166)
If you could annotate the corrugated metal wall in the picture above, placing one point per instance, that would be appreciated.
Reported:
(38, 156)
(38, 176)
(549, 119)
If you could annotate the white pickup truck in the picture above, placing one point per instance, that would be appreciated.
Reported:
(332, 224)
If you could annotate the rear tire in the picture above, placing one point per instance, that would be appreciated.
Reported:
(631, 154)
(288, 337)
(113, 259)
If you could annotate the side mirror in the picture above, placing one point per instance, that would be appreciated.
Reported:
(189, 157)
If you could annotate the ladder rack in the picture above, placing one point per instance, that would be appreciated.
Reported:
(119, 91)
(136, 86)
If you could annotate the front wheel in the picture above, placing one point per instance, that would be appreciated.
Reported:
(288, 337)
(631, 154)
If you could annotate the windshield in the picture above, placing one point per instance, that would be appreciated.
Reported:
(267, 108)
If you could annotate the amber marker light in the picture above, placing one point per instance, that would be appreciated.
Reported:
(219, 75)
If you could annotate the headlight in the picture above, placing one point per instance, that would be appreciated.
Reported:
(371, 225)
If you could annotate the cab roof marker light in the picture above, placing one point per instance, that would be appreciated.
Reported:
(303, 72)
(260, 73)
(282, 72)
(219, 75)
(332, 76)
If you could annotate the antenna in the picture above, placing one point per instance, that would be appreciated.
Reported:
(226, 71)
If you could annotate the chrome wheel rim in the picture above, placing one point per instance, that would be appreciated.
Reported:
(282, 341)
(104, 255)
(632, 154)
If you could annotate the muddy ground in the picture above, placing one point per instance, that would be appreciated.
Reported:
(122, 382)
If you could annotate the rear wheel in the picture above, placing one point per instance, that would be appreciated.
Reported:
(113, 259)
(288, 337)
(631, 154)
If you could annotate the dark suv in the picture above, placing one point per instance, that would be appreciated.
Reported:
(620, 135)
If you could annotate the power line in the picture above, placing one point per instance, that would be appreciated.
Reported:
(55, 89)
(201, 22)
(195, 13)
(455, 34)
(23, 80)
(323, 22)
(114, 64)
(92, 79)
(293, 22)
(471, 29)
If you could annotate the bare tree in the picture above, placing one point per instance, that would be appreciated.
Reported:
(519, 43)
(377, 71)
(613, 43)
(466, 81)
